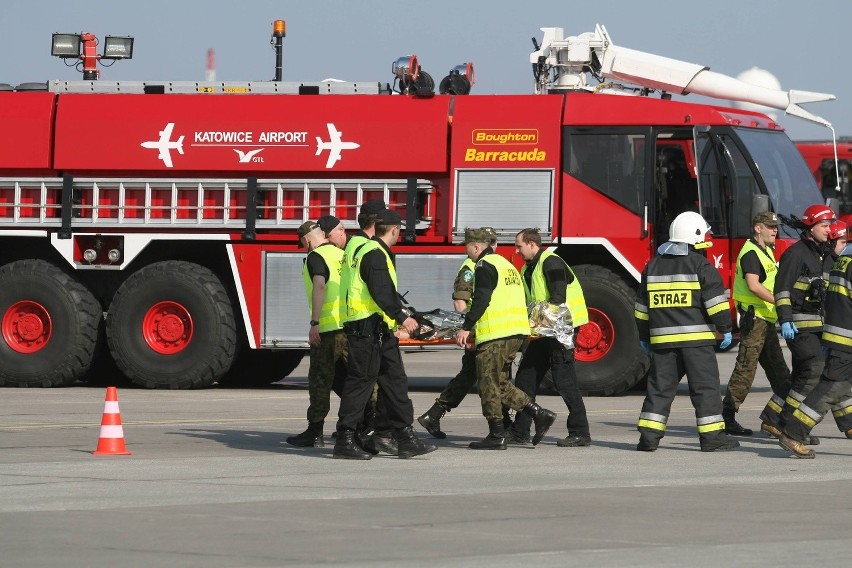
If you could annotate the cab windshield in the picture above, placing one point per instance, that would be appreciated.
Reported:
(789, 183)
(737, 164)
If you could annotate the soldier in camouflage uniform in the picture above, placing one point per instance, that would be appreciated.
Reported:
(328, 358)
(754, 282)
(464, 381)
(498, 318)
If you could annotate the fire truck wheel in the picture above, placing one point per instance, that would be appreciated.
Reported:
(49, 326)
(171, 325)
(609, 359)
(260, 367)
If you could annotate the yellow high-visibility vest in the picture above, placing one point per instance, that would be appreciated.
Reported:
(506, 314)
(574, 297)
(743, 296)
(329, 319)
(359, 303)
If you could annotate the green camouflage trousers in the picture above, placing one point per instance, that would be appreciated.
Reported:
(326, 372)
(493, 362)
(761, 345)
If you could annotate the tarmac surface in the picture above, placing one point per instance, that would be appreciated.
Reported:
(211, 483)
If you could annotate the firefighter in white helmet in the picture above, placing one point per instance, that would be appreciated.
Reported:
(799, 293)
(680, 304)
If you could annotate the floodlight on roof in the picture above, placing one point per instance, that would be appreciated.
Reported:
(118, 47)
(66, 46)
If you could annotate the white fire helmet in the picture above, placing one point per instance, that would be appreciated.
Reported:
(688, 227)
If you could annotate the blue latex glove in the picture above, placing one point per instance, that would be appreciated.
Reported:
(788, 330)
(726, 341)
(646, 347)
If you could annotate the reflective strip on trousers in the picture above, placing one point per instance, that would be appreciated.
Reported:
(843, 408)
(710, 423)
(794, 399)
(807, 416)
(776, 404)
(652, 421)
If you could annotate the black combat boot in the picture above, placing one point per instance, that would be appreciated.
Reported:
(310, 438)
(575, 440)
(495, 440)
(409, 445)
(733, 427)
(542, 418)
(718, 443)
(432, 421)
(366, 428)
(382, 441)
(516, 439)
(345, 447)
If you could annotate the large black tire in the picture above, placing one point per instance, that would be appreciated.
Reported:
(611, 362)
(260, 367)
(171, 325)
(49, 326)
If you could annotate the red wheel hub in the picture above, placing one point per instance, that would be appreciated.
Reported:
(26, 326)
(595, 338)
(167, 327)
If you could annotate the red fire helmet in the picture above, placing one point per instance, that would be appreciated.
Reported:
(837, 230)
(817, 213)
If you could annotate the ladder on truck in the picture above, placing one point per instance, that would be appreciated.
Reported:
(201, 204)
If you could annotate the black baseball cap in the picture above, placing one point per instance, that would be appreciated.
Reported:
(388, 217)
(372, 207)
(328, 223)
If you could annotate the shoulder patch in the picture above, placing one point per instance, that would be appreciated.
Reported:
(467, 275)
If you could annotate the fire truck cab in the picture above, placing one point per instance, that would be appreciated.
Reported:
(152, 225)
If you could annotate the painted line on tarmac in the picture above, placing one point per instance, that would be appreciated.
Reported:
(48, 426)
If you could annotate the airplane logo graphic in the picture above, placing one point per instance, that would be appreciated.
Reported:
(245, 157)
(165, 145)
(334, 145)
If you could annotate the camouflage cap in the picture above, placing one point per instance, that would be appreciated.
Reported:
(480, 235)
(768, 218)
(306, 228)
(491, 232)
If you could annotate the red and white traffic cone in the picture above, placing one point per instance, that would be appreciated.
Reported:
(111, 440)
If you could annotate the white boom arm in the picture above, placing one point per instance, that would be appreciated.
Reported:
(561, 64)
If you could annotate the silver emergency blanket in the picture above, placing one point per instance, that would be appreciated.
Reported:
(552, 320)
(437, 324)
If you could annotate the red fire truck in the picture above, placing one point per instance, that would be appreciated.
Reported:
(153, 224)
(820, 158)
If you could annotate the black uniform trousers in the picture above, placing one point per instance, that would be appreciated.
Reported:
(702, 373)
(543, 354)
(833, 387)
(375, 358)
(806, 353)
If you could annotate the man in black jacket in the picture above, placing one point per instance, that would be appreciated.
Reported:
(374, 311)
(799, 292)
